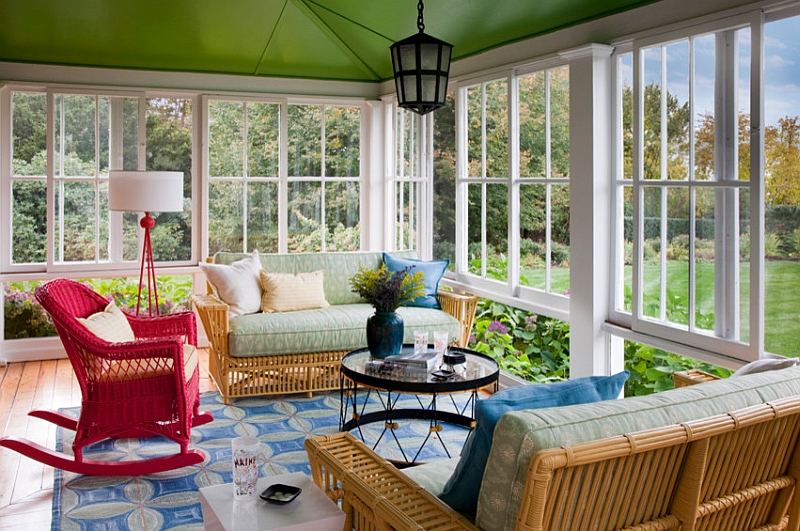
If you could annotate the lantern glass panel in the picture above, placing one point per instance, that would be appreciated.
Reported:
(429, 56)
(428, 88)
(408, 57)
(410, 88)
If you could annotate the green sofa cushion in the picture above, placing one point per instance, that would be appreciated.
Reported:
(519, 434)
(337, 327)
(338, 268)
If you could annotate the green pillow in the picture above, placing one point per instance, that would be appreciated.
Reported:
(461, 490)
(432, 270)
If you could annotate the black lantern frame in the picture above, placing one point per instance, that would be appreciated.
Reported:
(421, 66)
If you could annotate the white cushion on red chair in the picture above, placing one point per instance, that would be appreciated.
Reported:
(237, 284)
(137, 369)
(110, 325)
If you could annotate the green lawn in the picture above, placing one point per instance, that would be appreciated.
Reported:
(782, 296)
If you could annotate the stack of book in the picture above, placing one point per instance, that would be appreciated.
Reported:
(408, 365)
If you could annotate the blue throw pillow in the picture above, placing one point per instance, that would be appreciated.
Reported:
(433, 271)
(461, 490)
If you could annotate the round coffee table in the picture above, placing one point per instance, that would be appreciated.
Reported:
(361, 373)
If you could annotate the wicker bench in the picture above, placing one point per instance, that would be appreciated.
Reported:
(729, 470)
(317, 368)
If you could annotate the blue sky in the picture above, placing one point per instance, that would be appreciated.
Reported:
(781, 70)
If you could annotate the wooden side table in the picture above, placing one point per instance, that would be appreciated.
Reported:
(311, 511)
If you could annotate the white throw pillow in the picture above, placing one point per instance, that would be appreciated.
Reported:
(770, 363)
(284, 292)
(237, 284)
(110, 325)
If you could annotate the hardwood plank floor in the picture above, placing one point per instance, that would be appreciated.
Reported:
(26, 486)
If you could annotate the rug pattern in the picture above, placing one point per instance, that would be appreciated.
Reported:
(169, 500)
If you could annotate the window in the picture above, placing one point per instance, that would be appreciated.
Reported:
(515, 185)
(320, 179)
(544, 180)
(243, 162)
(406, 175)
(91, 134)
(487, 179)
(685, 193)
(324, 178)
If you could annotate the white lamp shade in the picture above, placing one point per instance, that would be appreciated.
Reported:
(145, 191)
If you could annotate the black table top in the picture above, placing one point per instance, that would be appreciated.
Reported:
(479, 371)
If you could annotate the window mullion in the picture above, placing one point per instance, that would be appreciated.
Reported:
(245, 180)
(283, 180)
(322, 229)
(96, 179)
(757, 183)
(115, 162)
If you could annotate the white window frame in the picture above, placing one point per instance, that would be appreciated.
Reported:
(409, 190)
(715, 348)
(115, 263)
(283, 179)
(509, 292)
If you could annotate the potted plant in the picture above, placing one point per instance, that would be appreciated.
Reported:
(386, 291)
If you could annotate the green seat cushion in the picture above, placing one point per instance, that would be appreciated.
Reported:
(432, 475)
(337, 327)
(521, 433)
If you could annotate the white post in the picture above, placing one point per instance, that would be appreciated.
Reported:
(373, 215)
(590, 209)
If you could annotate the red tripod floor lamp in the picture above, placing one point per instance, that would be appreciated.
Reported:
(146, 191)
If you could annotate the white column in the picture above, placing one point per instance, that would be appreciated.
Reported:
(373, 181)
(590, 209)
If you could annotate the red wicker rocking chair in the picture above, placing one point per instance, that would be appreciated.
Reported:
(139, 388)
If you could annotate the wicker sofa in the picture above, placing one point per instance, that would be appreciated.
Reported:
(301, 351)
(720, 455)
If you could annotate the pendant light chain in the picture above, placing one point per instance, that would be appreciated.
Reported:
(420, 23)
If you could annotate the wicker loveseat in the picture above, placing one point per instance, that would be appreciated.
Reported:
(720, 455)
(301, 351)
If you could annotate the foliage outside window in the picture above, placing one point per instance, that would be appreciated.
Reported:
(536, 348)
(444, 181)
(321, 182)
(25, 318)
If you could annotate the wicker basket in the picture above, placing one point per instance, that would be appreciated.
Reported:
(691, 377)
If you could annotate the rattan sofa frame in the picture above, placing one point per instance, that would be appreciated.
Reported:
(302, 372)
(735, 471)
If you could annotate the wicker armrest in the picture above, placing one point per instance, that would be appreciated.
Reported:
(462, 307)
(373, 491)
(692, 377)
(171, 324)
(214, 316)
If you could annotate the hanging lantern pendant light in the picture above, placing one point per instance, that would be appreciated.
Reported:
(421, 66)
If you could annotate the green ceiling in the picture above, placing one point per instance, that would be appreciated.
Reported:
(320, 39)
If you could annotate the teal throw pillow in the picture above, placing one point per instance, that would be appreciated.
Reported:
(461, 490)
(433, 271)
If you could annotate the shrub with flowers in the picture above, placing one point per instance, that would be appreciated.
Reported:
(536, 348)
(24, 318)
(533, 347)
(23, 315)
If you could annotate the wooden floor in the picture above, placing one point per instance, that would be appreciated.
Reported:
(26, 486)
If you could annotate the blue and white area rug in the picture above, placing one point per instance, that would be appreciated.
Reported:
(170, 500)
